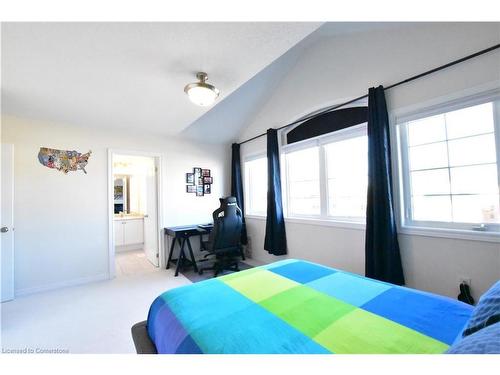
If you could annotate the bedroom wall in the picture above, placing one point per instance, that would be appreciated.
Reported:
(339, 68)
(61, 221)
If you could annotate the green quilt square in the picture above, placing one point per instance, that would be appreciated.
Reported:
(260, 284)
(361, 332)
(236, 275)
(306, 309)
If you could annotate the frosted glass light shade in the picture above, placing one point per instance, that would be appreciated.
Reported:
(203, 96)
(201, 93)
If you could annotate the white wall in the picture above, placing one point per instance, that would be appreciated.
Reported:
(341, 248)
(340, 68)
(62, 220)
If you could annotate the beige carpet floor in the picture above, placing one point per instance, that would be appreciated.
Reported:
(91, 318)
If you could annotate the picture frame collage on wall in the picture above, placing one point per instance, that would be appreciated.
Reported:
(199, 182)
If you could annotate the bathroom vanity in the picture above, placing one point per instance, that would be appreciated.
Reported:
(129, 232)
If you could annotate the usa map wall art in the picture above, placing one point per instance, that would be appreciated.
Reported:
(62, 160)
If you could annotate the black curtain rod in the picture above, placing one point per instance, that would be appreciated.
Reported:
(334, 107)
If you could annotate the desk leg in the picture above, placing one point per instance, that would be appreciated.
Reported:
(171, 252)
(192, 255)
(180, 258)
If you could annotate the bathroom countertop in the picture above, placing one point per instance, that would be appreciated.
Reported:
(128, 217)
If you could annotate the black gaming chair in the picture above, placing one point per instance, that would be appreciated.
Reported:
(225, 238)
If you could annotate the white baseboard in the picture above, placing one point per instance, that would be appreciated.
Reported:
(254, 262)
(62, 284)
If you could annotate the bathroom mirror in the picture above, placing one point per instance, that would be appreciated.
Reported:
(122, 194)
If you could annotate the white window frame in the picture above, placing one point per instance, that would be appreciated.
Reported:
(401, 181)
(246, 186)
(323, 218)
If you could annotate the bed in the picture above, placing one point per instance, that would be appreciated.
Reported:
(295, 306)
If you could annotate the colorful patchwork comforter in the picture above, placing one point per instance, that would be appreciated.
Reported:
(295, 306)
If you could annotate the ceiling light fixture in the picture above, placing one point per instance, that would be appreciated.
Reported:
(201, 93)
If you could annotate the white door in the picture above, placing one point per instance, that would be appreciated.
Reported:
(151, 216)
(7, 221)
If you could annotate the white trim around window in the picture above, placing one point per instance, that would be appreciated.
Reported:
(317, 222)
(399, 146)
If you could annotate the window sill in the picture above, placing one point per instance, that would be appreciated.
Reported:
(326, 223)
(460, 234)
(257, 217)
(320, 222)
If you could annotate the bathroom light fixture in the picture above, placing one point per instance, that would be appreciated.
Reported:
(201, 93)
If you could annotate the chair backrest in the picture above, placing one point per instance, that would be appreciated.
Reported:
(228, 221)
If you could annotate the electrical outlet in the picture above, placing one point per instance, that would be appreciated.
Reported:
(465, 280)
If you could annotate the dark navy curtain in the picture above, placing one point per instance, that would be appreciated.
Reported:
(383, 260)
(275, 242)
(237, 186)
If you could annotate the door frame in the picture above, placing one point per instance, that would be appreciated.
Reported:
(12, 229)
(159, 161)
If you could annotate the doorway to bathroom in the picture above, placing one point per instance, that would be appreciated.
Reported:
(134, 213)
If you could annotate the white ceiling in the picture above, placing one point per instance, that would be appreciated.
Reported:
(131, 75)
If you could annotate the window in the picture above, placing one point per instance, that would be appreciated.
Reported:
(326, 178)
(347, 174)
(303, 181)
(256, 186)
(449, 168)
